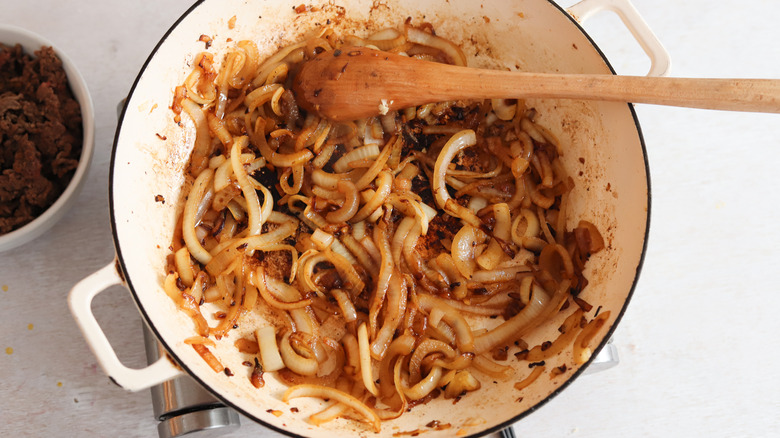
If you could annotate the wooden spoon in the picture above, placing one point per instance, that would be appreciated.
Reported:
(357, 82)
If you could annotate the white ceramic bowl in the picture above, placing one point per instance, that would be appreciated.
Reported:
(30, 42)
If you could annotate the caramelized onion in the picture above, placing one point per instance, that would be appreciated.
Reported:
(325, 392)
(514, 327)
(397, 276)
(269, 350)
(455, 144)
(200, 195)
(305, 366)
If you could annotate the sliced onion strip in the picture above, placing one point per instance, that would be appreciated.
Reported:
(324, 392)
(269, 350)
(514, 327)
(198, 195)
(366, 370)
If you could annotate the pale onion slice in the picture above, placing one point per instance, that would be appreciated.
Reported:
(321, 239)
(277, 217)
(324, 392)
(261, 95)
(582, 351)
(397, 243)
(334, 196)
(519, 166)
(277, 293)
(482, 310)
(409, 206)
(345, 268)
(531, 378)
(350, 207)
(217, 161)
(256, 219)
(338, 248)
(345, 304)
(384, 186)
(394, 312)
(278, 74)
(455, 144)
(184, 266)
(305, 366)
(222, 174)
(321, 135)
(424, 386)
(569, 330)
(401, 346)
(418, 36)
(360, 253)
(275, 106)
(328, 414)
(275, 158)
(515, 327)
(527, 236)
(202, 149)
(463, 336)
(269, 350)
(386, 270)
(464, 244)
(306, 264)
(228, 250)
(371, 249)
(313, 219)
(372, 172)
(422, 350)
(219, 130)
(199, 194)
(304, 320)
(429, 211)
(366, 370)
(366, 152)
(493, 369)
(462, 382)
(323, 156)
(271, 63)
(498, 275)
(456, 280)
(389, 415)
(503, 110)
(494, 254)
(327, 180)
(351, 351)
(359, 230)
(477, 203)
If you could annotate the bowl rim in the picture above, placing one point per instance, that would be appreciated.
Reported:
(78, 85)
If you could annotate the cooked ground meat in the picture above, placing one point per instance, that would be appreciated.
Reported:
(40, 134)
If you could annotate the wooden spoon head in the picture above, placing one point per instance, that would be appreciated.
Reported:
(354, 82)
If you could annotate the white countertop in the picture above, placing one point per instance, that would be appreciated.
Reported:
(698, 345)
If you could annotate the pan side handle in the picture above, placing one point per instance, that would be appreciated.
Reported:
(660, 61)
(80, 301)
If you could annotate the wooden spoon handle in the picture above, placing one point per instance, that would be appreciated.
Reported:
(761, 95)
(359, 82)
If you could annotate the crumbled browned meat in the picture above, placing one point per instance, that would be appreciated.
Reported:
(40, 134)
